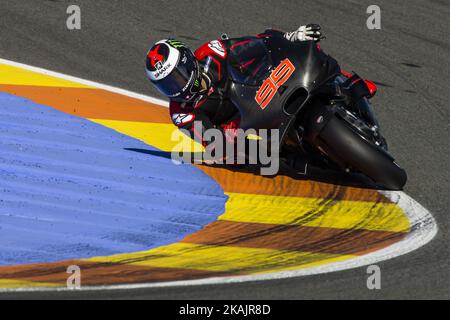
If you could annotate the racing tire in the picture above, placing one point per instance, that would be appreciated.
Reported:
(349, 149)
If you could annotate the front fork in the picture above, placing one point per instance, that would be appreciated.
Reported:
(362, 108)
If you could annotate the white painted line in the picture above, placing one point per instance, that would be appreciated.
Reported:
(86, 82)
(423, 228)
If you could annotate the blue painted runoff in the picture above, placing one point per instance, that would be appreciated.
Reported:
(70, 188)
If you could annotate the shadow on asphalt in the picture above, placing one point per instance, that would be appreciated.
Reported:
(314, 173)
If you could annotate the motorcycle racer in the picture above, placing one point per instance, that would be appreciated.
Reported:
(321, 117)
(196, 83)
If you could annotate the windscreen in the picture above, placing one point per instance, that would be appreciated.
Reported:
(249, 61)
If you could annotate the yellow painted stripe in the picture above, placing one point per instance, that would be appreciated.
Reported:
(13, 283)
(223, 258)
(18, 76)
(163, 136)
(315, 212)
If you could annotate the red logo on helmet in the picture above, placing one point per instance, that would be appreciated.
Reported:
(155, 56)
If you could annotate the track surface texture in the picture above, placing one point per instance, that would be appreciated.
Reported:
(408, 59)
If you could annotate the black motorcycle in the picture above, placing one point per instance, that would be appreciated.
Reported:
(321, 114)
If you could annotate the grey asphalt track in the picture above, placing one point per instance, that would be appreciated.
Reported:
(408, 59)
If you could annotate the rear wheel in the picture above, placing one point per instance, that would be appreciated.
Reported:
(349, 149)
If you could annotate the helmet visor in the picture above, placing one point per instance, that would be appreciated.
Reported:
(181, 80)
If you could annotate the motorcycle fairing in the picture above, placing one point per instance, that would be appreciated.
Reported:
(312, 69)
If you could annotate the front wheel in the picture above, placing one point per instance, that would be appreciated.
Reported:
(349, 149)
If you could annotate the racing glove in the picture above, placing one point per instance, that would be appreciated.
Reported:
(305, 33)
